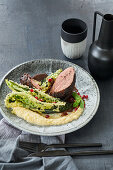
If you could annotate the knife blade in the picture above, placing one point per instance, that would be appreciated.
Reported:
(66, 153)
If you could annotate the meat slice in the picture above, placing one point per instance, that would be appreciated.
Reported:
(40, 77)
(64, 84)
(26, 80)
(35, 83)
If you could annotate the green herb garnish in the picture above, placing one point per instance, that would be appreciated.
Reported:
(78, 100)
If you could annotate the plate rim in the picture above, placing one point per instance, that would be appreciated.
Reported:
(61, 132)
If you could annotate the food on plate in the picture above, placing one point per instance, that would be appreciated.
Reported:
(34, 92)
(48, 82)
(35, 83)
(23, 99)
(39, 77)
(46, 105)
(26, 79)
(64, 84)
(46, 120)
(44, 84)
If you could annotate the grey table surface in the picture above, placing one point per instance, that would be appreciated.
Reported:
(30, 29)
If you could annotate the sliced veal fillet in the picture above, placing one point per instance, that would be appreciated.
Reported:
(26, 80)
(39, 77)
(35, 83)
(64, 84)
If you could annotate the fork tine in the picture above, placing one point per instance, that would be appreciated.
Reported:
(28, 146)
(28, 149)
(34, 146)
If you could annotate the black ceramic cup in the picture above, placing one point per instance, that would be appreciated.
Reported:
(73, 38)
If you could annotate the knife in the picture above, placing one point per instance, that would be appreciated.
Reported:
(66, 153)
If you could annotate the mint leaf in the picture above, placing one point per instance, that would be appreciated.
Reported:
(78, 100)
(76, 104)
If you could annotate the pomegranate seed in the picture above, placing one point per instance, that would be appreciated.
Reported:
(54, 102)
(78, 93)
(47, 116)
(50, 80)
(86, 96)
(83, 96)
(76, 109)
(36, 97)
(31, 90)
(41, 100)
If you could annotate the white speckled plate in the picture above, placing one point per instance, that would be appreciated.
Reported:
(84, 82)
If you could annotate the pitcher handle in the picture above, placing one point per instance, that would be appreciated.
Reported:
(94, 23)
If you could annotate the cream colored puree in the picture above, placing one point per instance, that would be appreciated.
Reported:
(39, 119)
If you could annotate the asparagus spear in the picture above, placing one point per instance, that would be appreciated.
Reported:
(23, 99)
(46, 85)
(36, 92)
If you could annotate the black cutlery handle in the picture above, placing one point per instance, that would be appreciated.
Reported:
(72, 145)
(90, 153)
(65, 153)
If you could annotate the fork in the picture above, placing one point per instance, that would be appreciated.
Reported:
(40, 147)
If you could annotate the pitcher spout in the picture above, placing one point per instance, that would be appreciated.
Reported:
(105, 39)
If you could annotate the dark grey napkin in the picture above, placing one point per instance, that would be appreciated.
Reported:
(14, 158)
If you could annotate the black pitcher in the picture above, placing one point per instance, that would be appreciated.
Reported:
(100, 57)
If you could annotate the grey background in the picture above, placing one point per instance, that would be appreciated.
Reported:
(30, 29)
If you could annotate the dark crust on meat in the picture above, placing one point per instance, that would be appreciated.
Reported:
(26, 80)
(39, 77)
(65, 93)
